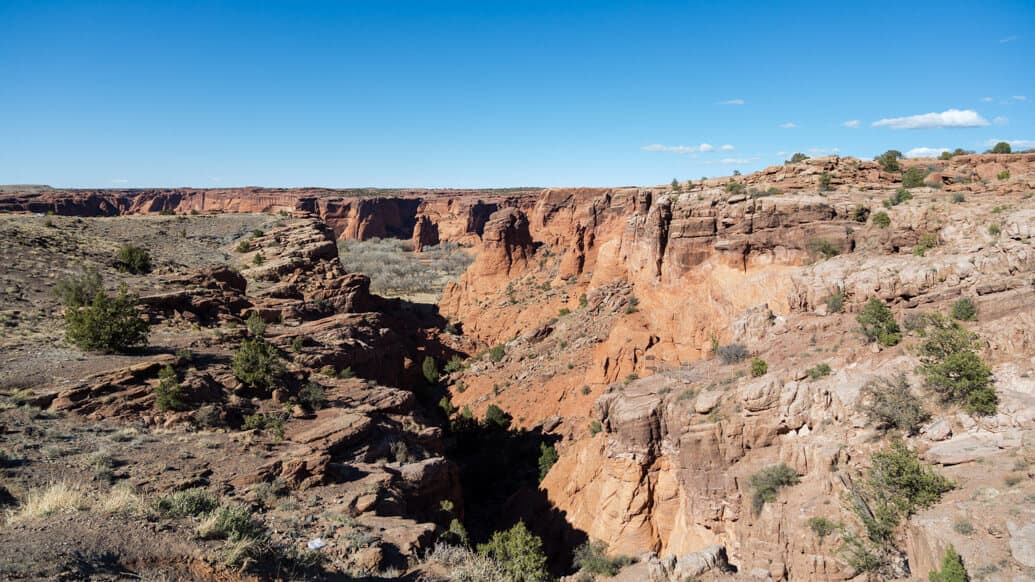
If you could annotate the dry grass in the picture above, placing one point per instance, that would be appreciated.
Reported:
(56, 497)
(120, 499)
(465, 565)
(395, 269)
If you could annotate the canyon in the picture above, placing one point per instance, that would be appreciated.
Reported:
(594, 318)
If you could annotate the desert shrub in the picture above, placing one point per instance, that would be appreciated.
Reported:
(519, 553)
(272, 423)
(496, 417)
(188, 503)
(952, 569)
(455, 364)
(891, 404)
(964, 310)
(244, 246)
(257, 364)
(297, 344)
(953, 370)
(258, 259)
(230, 522)
(819, 371)
(312, 396)
(168, 393)
(889, 160)
(465, 565)
(79, 289)
(994, 230)
(497, 352)
(771, 191)
(109, 324)
(927, 241)
(836, 301)
(822, 527)
(881, 219)
(395, 269)
(430, 370)
(963, 527)
(878, 323)
(958, 198)
(861, 214)
(766, 483)
(733, 187)
(133, 259)
(901, 195)
(823, 248)
(758, 367)
(824, 181)
(564, 311)
(797, 157)
(1001, 148)
(908, 484)
(547, 458)
(595, 427)
(913, 177)
(732, 353)
(591, 557)
(256, 324)
(633, 305)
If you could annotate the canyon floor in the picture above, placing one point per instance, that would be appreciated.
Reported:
(675, 376)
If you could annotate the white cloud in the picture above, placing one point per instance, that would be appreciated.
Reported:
(679, 149)
(733, 102)
(925, 152)
(735, 161)
(948, 118)
(823, 151)
(987, 99)
(1014, 143)
(120, 181)
(853, 123)
(1019, 98)
(1000, 120)
(727, 147)
(788, 125)
(1010, 38)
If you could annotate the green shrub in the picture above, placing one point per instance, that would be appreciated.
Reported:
(244, 246)
(958, 198)
(891, 404)
(519, 553)
(108, 324)
(272, 423)
(257, 364)
(188, 503)
(963, 527)
(878, 323)
(927, 241)
(258, 259)
(1004, 175)
(913, 177)
(964, 310)
(496, 417)
(256, 324)
(547, 458)
(901, 195)
(80, 288)
(133, 259)
(733, 187)
(230, 522)
(430, 370)
(592, 558)
(732, 353)
(595, 427)
(797, 157)
(297, 344)
(952, 569)
(953, 370)
(758, 367)
(497, 352)
(767, 483)
(824, 181)
(908, 484)
(1001, 148)
(564, 311)
(168, 393)
(312, 396)
(994, 230)
(835, 302)
(455, 364)
(822, 527)
(819, 371)
(633, 305)
(861, 214)
(889, 160)
(823, 248)
(881, 219)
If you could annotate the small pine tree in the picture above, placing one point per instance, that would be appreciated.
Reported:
(952, 569)
(133, 259)
(1002, 148)
(257, 364)
(430, 370)
(496, 417)
(547, 458)
(108, 324)
(878, 323)
(519, 553)
(168, 393)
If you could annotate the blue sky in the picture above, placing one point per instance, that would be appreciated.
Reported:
(478, 94)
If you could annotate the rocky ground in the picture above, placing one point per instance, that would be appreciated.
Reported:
(595, 318)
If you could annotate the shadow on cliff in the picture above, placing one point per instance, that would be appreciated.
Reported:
(499, 471)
